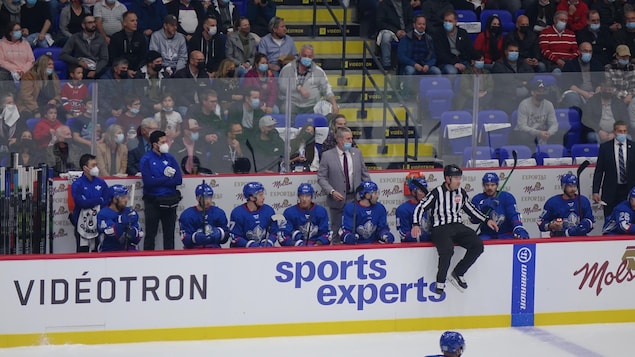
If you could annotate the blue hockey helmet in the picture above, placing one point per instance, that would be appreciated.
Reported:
(490, 177)
(631, 193)
(366, 187)
(418, 183)
(118, 190)
(451, 341)
(204, 189)
(252, 189)
(305, 189)
(568, 179)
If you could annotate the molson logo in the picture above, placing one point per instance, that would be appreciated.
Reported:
(213, 183)
(60, 234)
(59, 189)
(60, 211)
(387, 192)
(534, 208)
(284, 204)
(531, 189)
(468, 188)
(393, 211)
(431, 178)
(285, 182)
(598, 276)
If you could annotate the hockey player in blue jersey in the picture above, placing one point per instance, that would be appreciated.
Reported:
(416, 187)
(622, 219)
(118, 225)
(307, 222)
(203, 225)
(254, 224)
(567, 214)
(501, 207)
(452, 344)
(364, 221)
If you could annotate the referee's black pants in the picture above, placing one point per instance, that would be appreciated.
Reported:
(444, 237)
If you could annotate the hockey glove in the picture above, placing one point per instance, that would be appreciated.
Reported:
(521, 232)
(386, 237)
(350, 238)
(253, 244)
(490, 203)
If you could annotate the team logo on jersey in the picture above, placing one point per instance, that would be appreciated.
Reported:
(309, 229)
(498, 218)
(457, 199)
(257, 234)
(366, 230)
(571, 220)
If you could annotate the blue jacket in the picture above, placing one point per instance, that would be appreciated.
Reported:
(87, 194)
(404, 51)
(155, 183)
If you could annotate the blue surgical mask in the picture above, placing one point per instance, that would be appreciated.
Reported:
(306, 61)
(561, 25)
(17, 34)
(512, 56)
(348, 146)
(31, 2)
(255, 103)
(623, 62)
(134, 110)
(49, 71)
(621, 138)
(194, 136)
(630, 25)
(263, 67)
(594, 27)
(586, 57)
(167, 109)
(448, 26)
(479, 64)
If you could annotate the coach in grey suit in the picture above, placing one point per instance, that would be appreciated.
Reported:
(332, 179)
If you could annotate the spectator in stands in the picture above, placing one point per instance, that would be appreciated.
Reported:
(63, 155)
(109, 17)
(266, 146)
(536, 118)
(16, 56)
(82, 128)
(336, 121)
(599, 37)
(148, 125)
(171, 44)
(192, 79)
(28, 154)
(189, 14)
(476, 71)
(44, 131)
(115, 85)
(259, 13)
(211, 44)
(39, 88)
(303, 155)
(241, 47)
(129, 43)
(393, 20)
(626, 36)
(309, 83)
(9, 116)
(434, 12)
(601, 112)
(71, 18)
(207, 112)
(584, 75)
(248, 111)
(226, 13)
(490, 41)
(227, 85)
(611, 13)
(88, 49)
(150, 15)
(453, 46)
(190, 149)
(149, 82)
(262, 78)
(541, 14)
(35, 18)
(527, 42)
(277, 45)
(621, 73)
(369, 223)
(566, 214)
(112, 152)
(74, 92)
(577, 11)
(416, 51)
(168, 118)
(10, 11)
(231, 147)
(557, 43)
(131, 117)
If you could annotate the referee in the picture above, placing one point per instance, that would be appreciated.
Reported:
(445, 202)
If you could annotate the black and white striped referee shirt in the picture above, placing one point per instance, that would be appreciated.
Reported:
(445, 207)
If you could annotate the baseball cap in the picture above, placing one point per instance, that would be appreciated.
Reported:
(537, 84)
(170, 19)
(152, 55)
(623, 50)
(192, 125)
(267, 120)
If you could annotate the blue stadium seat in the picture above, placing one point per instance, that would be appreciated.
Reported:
(281, 119)
(480, 153)
(505, 17)
(466, 16)
(32, 122)
(428, 83)
(544, 151)
(439, 101)
(317, 120)
(584, 150)
(458, 144)
(61, 69)
(54, 52)
(494, 138)
(505, 152)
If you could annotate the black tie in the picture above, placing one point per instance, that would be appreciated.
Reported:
(622, 163)
(348, 182)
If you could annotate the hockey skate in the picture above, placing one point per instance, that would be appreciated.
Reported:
(438, 288)
(458, 282)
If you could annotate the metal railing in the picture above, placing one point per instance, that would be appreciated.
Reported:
(342, 81)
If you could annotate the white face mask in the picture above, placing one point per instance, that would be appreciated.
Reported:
(119, 138)
(212, 30)
(94, 171)
(10, 114)
(164, 148)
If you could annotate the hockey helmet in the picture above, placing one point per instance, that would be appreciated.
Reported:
(490, 177)
(452, 170)
(305, 189)
(118, 190)
(568, 179)
(204, 189)
(252, 189)
(366, 187)
(451, 341)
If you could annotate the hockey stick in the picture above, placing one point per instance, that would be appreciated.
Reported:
(581, 168)
(500, 189)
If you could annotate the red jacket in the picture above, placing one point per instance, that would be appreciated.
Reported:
(577, 21)
(482, 43)
(42, 132)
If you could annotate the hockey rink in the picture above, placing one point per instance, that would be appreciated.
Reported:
(606, 340)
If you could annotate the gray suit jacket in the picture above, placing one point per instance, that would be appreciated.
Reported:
(331, 174)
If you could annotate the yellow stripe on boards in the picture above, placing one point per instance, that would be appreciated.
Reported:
(304, 15)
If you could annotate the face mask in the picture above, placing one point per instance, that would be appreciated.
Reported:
(225, 1)
(306, 61)
(630, 25)
(255, 103)
(134, 110)
(524, 29)
(17, 34)
(594, 27)
(157, 68)
(479, 64)
(164, 148)
(448, 26)
(201, 66)
(150, 2)
(31, 2)
(212, 30)
(495, 30)
(348, 146)
(94, 171)
(49, 71)
(27, 144)
(167, 109)
(512, 56)
(561, 25)
(10, 114)
(110, 1)
(606, 95)
(540, 97)
(263, 67)
(231, 73)
(119, 138)
(623, 62)
(307, 137)
(16, 2)
(621, 137)
(194, 136)
(586, 57)
(419, 33)
(238, 137)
